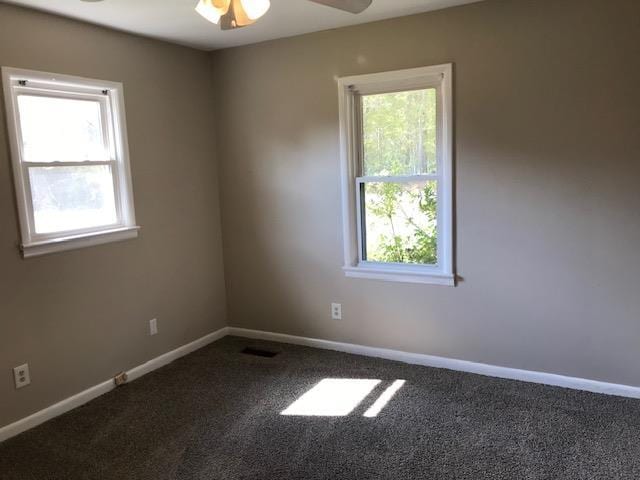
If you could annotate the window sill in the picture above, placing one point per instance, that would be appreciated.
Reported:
(399, 274)
(78, 241)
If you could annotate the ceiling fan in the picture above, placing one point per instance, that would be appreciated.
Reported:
(232, 14)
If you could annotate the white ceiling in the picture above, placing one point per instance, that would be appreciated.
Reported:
(177, 22)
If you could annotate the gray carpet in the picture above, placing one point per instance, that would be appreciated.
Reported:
(215, 414)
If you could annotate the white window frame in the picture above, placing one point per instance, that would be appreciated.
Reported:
(350, 89)
(110, 96)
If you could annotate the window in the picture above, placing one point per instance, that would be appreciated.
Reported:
(70, 160)
(396, 140)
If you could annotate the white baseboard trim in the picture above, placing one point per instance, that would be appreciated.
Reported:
(89, 394)
(448, 363)
(169, 357)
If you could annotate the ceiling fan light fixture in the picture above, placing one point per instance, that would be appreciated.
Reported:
(212, 10)
(254, 9)
(232, 14)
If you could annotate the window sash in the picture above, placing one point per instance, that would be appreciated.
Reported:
(361, 230)
(109, 144)
(358, 122)
(108, 134)
(357, 111)
(40, 237)
(398, 178)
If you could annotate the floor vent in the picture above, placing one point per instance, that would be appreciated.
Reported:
(256, 352)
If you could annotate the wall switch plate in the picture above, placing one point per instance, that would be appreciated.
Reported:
(153, 326)
(336, 311)
(22, 376)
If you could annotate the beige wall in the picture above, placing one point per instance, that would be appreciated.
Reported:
(546, 186)
(547, 130)
(79, 317)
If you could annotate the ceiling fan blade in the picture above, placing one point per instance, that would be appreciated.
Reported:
(352, 6)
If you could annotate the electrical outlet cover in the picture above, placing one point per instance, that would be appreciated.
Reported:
(22, 376)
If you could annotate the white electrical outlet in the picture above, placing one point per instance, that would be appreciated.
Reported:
(336, 311)
(153, 326)
(21, 375)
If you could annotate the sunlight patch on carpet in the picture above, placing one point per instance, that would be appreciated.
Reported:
(332, 397)
(383, 399)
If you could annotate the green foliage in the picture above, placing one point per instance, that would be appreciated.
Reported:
(419, 245)
(399, 133)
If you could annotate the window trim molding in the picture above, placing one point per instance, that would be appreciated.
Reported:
(62, 244)
(33, 244)
(440, 77)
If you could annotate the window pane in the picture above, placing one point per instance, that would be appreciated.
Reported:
(61, 129)
(399, 133)
(400, 222)
(72, 198)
